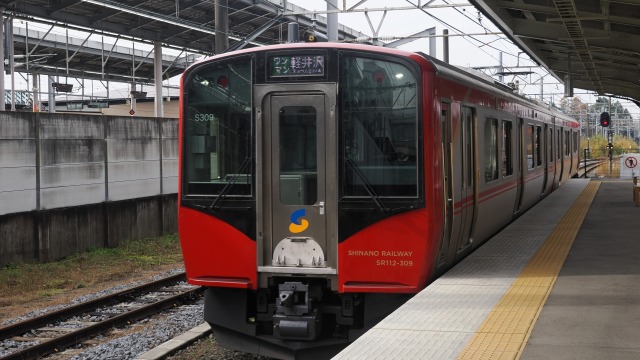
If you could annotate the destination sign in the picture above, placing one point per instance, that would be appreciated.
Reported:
(296, 65)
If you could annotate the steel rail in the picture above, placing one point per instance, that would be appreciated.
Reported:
(65, 313)
(72, 338)
(590, 166)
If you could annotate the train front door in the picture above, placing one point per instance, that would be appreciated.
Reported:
(295, 201)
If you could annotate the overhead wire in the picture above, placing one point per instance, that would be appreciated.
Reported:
(484, 27)
(500, 39)
(455, 29)
(487, 44)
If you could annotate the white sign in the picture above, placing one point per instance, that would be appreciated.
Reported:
(629, 166)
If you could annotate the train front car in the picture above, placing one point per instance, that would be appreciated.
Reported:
(302, 197)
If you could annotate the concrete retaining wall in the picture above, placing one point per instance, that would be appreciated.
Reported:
(71, 182)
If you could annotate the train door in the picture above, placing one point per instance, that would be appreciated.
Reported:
(295, 199)
(545, 148)
(560, 156)
(551, 169)
(569, 150)
(466, 183)
(520, 166)
(447, 176)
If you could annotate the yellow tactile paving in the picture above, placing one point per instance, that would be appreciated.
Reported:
(504, 333)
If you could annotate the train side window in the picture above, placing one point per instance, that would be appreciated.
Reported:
(470, 145)
(529, 135)
(505, 151)
(559, 144)
(550, 144)
(567, 140)
(490, 149)
(575, 142)
(379, 128)
(538, 146)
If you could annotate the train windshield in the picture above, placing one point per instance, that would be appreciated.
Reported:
(217, 128)
(379, 128)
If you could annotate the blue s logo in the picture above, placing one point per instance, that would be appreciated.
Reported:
(298, 223)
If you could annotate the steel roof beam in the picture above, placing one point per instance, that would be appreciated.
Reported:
(63, 5)
(107, 13)
(251, 37)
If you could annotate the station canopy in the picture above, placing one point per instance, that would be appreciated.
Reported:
(597, 42)
(185, 25)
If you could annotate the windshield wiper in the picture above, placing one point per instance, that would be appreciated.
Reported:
(227, 188)
(367, 185)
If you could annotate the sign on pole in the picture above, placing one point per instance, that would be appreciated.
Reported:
(629, 165)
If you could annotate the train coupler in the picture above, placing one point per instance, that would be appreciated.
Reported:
(295, 317)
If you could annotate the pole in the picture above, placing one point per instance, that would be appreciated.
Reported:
(50, 95)
(221, 10)
(157, 74)
(332, 21)
(12, 63)
(2, 35)
(292, 32)
(585, 163)
(501, 77)
(445, 45)
(586, 154)
(610, 146)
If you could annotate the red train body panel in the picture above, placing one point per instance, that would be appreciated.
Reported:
(229, 262)
(321, 186)
(369, 262)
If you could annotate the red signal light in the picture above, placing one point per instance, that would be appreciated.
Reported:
(605, 119)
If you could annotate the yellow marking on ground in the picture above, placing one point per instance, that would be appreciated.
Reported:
(506, 330)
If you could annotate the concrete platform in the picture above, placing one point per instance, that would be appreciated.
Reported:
(593, 311)
(516, 297)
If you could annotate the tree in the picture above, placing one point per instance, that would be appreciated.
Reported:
(616, 109)
(598, 146)
(573, 107)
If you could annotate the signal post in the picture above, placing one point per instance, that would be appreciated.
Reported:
(605, 121)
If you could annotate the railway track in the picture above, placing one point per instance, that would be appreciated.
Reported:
(52, 332)
(590, 165)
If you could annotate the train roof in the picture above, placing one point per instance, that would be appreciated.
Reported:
(485, 82)
(440, 67)
(318, 45)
